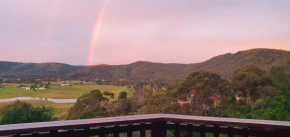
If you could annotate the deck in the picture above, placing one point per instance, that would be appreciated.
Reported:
(156, 125)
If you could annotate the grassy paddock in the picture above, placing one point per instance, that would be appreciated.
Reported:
(60, 109)
(66, 92)
(40, 103)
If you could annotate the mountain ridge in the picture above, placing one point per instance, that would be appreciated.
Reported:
(223, 65)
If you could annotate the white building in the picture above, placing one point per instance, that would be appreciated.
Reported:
(41, 88)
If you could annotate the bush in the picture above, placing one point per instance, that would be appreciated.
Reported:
(21, 112)
(123, 95)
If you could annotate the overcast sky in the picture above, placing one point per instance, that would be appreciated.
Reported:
(168, 31)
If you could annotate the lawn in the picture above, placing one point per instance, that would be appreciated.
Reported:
(40, 103)
(66, 92)
(60, 109)
(56, 92)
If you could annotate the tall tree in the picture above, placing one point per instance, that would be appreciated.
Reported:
(124, 106)
(280, 77)
(246, 81)
(206, 92)
(159, 103)
(89, 105)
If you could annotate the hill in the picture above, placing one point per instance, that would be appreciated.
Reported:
(20, 70)
(223, 65)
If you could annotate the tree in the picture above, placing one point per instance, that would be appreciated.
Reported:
(277, 108)
(254, 90)
(246, 81)
(122, 95)
(32, 87)
(206, 91)
(35, 85)
(159, 103)
(48, 85)
(124, 106)
(108, 93)
(21, 112)
(89, 105)
(267, 92)
(280, 77)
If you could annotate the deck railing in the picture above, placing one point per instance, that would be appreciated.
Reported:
(156, 125)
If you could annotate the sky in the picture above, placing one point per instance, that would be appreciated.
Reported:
(90, 32)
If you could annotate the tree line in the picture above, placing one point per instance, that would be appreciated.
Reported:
(251, 93)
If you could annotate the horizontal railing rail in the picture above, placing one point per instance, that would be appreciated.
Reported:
(157, 125)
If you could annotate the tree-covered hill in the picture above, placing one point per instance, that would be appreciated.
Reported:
(223, 65)
(19, 70)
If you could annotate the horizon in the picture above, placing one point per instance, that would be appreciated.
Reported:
(144, 60)
(122, 32)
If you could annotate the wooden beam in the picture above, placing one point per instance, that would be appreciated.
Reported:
(280, 127)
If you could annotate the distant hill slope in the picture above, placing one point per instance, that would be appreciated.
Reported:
(14, 69)
(224, 65)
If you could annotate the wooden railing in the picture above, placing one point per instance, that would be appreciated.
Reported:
(156, 125)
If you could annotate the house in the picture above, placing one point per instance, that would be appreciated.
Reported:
(193, 92)
(62, 85)
(42, 88)
(181, 102)
(217, 99)
(188, 101)
(18, 86)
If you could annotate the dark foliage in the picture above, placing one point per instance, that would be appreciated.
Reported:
(20, 112)
(89, 105)
(122, 95)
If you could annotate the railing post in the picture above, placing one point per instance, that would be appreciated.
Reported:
(116, 131)
(129, 133)
(176, 130)
(70, 132)
(35, 134)
(283, 133)
(101, 132)
(216, 131)
(202, 130)
(189, 130)
(17, 135)
(142, 130)
(159, 129)
(53, 133)
(86, 132)
(245, 132)
(230, 133)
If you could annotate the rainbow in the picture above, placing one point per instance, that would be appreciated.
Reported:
(95, 33)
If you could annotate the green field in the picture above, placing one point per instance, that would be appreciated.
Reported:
(60, 109)
(40, 103)
(66, 92)
(56, 92)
